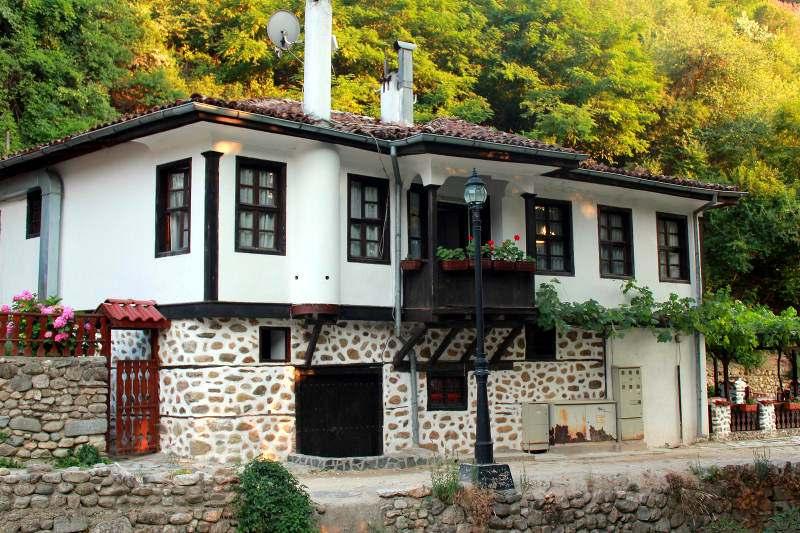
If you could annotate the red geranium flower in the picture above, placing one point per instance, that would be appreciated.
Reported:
(516, 237)
(470, 237)
(491, 244)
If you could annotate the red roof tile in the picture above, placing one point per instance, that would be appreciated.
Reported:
(590, 164)
(133, 313)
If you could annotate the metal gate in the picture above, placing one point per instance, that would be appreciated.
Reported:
(136, 414)
(340, 412)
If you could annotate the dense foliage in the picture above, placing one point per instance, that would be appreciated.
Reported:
(709, 89)
(270, 500)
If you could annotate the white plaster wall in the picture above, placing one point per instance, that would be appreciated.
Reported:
(19, 257)
(659, 361)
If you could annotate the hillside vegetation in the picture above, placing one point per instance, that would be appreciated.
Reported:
(708, 89)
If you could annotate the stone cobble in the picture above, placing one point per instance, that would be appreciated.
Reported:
(51, 405)
(347, 464)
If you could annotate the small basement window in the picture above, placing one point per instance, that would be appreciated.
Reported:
(540, 344)
(447, 391)
(273, 345)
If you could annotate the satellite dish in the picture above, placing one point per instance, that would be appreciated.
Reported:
(283, 30)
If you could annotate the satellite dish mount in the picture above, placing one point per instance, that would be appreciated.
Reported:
(283, 30)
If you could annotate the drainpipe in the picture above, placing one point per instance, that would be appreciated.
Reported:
(398, 295)
(700, 363)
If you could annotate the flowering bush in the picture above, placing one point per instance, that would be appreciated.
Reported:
(487, 249)
(509, 251)
(56, 333)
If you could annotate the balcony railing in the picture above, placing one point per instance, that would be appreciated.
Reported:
(34, 334)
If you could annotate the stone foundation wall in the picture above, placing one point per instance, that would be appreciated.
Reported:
(762, 380)
(105, 499)
(49, 405)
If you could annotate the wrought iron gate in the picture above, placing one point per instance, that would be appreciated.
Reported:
(340, 412)
(136, 413)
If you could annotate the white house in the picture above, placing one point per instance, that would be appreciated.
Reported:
(271, 232)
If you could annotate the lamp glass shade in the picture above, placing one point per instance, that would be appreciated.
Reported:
(475, 190)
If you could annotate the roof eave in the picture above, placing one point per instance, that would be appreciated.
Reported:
(668, 188)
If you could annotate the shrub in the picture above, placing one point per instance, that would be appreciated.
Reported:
(269, 499)
(786, 521)
(706, 474)
(445, 482)
(478, 502)
(725, 525)
(5, 462)
(86, 456)
(761, 463)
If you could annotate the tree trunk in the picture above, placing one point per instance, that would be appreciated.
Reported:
(716, 374)
(780, 378)
(725, 376)
(794, 374)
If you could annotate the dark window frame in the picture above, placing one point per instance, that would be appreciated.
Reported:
(682, 248)
(627, 217)
(567, 236)
(415, 189)
(384, 218)
(33, 213)
(280, 211)
(535, 338)
(264, 348)
(162, 172)
(463, 378)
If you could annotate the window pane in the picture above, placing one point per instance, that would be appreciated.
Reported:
(176, 180)
(373, 233)
(246, 219)
(557, 263)
(355, 231)
(373, 250)
(370, 194)
(246, 176)
(413, 203)
(177, 227)
(266, 240)
(266, 197)
(675, 272)
(246, 195)
(662, 239)
(277, 345)
(555, 229)
(266, 179)
(617, 235)
(604, 253)
(355, 248)
(355, 200)
(246, 238)
(414, 226)
(557, 248)
(541, 228)
(371, 210)
(617, 254)
(618, 267)
(540, 211)
(555, 213)
(175, 199)
(415, 248)
(674, 240)
(603, 233)
(615, 220)
(267, 222)
(662, 270)
(541, 248)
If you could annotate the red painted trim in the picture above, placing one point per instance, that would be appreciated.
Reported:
(313, 309)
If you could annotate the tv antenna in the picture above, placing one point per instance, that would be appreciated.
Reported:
(283, 30)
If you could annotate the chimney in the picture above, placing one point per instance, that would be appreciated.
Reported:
(397, 93)
(317, 68)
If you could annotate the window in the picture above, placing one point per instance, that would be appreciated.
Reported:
(417, 223)
(273, 345)
(260, 206)
(173, 203)
(616, 238)
(673, 249)
(553, 236)
(33, 217)
(447, 390)
(369, 220)
(540, 344)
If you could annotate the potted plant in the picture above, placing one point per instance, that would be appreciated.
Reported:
(527, 264)
(508, 254)
(410, 264)
(452, 258)
(487, 250)
(751, 406)
(794, 404)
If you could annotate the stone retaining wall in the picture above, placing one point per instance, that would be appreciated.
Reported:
(49, 405)
(105, 499)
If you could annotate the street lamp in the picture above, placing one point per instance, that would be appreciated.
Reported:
(485, 472)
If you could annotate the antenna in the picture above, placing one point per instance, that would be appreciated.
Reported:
(283, 30)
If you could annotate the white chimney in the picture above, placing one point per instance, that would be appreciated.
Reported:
(397, 93)
(317, 68)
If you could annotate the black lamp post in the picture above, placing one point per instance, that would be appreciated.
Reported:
(475, 195)
(484, 472)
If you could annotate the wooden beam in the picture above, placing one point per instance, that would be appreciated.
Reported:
(503, 347)
(416, 336)
(471, 348)
(443, 345)
(312, 344)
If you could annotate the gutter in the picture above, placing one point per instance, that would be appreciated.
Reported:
(660, 184)
(700, 362)
(398, 295)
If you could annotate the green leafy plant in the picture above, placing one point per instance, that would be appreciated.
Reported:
(509, 251)
(269, 499)
(4, 436)
(450, 254)
(445, 481)
(84, 457)
(725, 525)
(5, 462)
(784, 522)
(487, 249)
(761, 463)
(706, 474)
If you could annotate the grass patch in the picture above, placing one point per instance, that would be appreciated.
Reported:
(5, 462)
(445, 482)
(84, 457)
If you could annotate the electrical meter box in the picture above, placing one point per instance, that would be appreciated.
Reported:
(628, 394)
(535, 427)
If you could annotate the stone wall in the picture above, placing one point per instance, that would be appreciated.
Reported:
(762, 380)
(49, 405)
(106, 499)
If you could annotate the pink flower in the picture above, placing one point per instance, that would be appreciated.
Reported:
(5, 308)
(87, 326)
(24, 296)
(10, 328)
(48, 334)
(46, 310)
(68, 313)
(61, 337)
(60, 322)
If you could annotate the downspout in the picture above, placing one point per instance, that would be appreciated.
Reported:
(698, 341)
(398, 295)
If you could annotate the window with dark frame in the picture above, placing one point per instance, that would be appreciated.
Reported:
(673, 247)
(447, 390)
(540, 344)
(616, 242)
(260, 206)
(173, 205)
(553, 236)
(417, 244)
(33, 215)
(274, 345)
(368, 223)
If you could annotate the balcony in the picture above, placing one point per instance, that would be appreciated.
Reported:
(431, 294)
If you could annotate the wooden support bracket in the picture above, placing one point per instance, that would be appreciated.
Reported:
(503, 347)
(448, 339)
(312, 343)
(416, 336)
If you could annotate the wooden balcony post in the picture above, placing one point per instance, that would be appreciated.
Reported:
(530, 223)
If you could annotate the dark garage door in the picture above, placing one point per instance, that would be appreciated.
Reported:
(340, 412)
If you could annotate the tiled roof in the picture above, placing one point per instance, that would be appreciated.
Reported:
(127, 313)
(352, 123)
(590, 164)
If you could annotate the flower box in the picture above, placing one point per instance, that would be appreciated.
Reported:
(410, 265)
(454, 264)
(792, 406)
(486, 264)
(504, 265)
(526, 266)
(747, 407)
